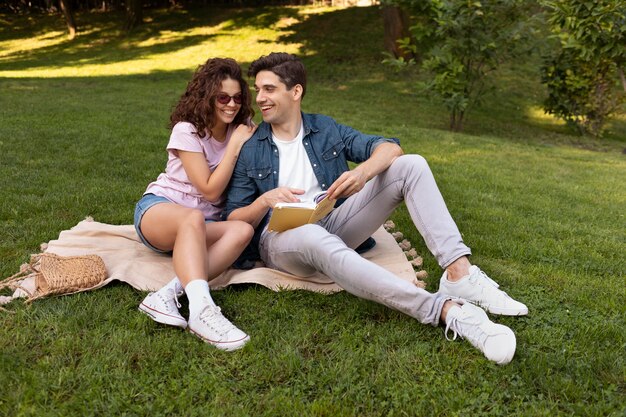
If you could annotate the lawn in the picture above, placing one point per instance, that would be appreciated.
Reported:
(83, 126)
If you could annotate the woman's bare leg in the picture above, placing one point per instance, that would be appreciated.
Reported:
(200, 250)
(224, 243)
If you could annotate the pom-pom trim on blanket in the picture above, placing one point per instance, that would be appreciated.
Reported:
(410, 253)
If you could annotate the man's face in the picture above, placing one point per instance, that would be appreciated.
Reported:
(277, 104)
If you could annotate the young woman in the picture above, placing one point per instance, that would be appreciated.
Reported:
(179, 212)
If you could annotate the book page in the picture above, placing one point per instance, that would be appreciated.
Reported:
(304, 204)
(301, 204)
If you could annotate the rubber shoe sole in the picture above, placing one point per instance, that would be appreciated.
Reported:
(162, 318)
(227, 346)
(505, 312)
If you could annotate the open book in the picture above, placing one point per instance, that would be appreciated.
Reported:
(290, 215)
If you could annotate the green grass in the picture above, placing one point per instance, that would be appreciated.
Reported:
(83, 130)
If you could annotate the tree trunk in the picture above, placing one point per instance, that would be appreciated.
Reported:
(456, 120)
(396, 23)
(68, 13)
(134, 14)
(622, 78)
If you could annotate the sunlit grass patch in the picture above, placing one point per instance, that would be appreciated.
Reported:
(27, 45)
(537, 115)
(150, 49)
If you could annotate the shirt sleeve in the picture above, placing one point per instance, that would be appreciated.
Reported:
(183, 138)
(360, 146)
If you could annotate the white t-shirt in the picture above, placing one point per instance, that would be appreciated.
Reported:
(295, 168)
(174, 184)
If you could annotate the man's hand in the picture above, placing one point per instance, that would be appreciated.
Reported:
(281, 195)
(350, 182)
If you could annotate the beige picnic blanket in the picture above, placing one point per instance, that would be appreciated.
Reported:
(128, 260)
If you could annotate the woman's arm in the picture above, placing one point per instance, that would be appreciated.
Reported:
(212, 185)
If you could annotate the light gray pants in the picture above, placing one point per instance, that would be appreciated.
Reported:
(328, 246)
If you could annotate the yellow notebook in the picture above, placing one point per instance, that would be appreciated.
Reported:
(291, 215)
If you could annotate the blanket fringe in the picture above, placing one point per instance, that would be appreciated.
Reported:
(26, 271)
(14, 282)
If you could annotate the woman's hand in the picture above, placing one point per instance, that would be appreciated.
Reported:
(242, 133)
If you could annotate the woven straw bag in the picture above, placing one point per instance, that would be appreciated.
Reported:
(56, 274)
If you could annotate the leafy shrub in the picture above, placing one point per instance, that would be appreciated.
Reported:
(583, 72)
(469, 40)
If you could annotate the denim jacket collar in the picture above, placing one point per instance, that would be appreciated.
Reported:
(265, 129)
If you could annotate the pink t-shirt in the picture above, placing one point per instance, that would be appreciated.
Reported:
(174, 184)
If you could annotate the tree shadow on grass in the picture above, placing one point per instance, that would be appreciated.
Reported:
(340, 44)
(102, 41)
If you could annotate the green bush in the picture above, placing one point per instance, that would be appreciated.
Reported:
(469, 40)
(582, 73)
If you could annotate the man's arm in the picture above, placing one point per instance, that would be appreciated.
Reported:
(351, 182)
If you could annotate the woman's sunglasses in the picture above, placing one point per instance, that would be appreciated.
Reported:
(224, 98)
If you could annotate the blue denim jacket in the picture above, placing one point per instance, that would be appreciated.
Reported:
(329, 146)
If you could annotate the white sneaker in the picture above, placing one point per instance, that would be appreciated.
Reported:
(496, 341)
(479, 289)
(162, 307)
(212, 327)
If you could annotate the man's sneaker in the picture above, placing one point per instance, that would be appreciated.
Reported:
(212, 327)
(162, 307)
(479, 289)
(497, 342)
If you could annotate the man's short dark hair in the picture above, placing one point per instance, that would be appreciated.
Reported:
(289, 69)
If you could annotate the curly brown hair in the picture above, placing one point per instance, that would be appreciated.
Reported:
(197, 104)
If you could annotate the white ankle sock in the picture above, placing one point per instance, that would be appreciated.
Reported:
(175, 285)
(198, 294)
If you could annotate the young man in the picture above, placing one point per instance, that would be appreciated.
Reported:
(294, 155)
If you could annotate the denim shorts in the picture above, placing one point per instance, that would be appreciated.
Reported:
(147, 201)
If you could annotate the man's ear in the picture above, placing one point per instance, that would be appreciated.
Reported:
(297, 92)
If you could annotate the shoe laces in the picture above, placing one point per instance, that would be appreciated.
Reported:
(481, 278)
(466, 328)
(488, 287)
(170, 298)
(212, 316)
